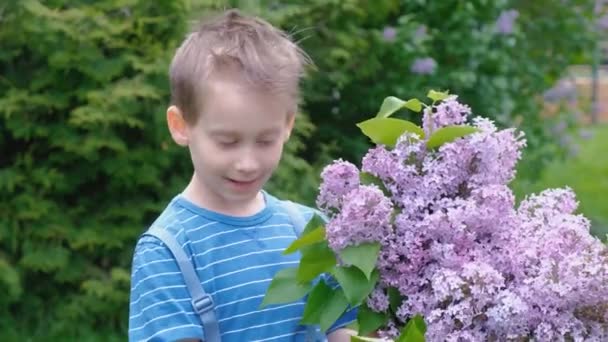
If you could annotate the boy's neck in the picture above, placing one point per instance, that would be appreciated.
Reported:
(205, 198)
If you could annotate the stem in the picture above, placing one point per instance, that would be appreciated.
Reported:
(594, 83)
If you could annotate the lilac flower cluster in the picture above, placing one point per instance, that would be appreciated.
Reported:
(448, 112)
(389, 34)
(506, 21)
(424, 66)
(364, 217)
(600, 14)
(602, 23)
(455, 244)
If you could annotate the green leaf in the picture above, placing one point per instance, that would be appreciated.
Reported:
(334, 308)
(285, 288)
(389, 106)
(437, 95)
(395, 298)
(315, 303)
(317, 259)
(363, 256)
(369, 320)
(354, 283)
(448, 134)
(315, 236)
(413, 105)
(46, 258)
(316, 222)
(413, 331)
(324, 306)
(392, 104)
(386, 131)
(366, 178)
(9, 278)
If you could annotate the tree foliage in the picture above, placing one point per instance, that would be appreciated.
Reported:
(85, 158)
(365, 51)
(86, 161)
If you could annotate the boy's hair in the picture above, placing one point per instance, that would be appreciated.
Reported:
(261, 54)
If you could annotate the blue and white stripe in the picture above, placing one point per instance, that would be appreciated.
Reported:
(235, 258)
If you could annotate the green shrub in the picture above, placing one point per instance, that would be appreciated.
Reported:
(585, 173)
(365, 51)
(86, 160)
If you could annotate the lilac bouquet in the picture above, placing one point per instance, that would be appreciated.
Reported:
(426, 239)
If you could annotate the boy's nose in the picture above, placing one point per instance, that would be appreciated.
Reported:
(247, 164)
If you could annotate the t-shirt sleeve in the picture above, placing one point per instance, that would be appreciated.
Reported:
(347, 318)
(160, 306)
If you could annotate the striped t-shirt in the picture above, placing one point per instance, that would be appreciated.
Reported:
(235, 258)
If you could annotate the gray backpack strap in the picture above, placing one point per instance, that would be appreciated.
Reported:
(298, 221)
(201, 301)
(296, 217)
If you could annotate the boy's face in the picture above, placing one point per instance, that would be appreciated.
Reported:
(237, 142)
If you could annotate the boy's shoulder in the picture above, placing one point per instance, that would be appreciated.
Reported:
(196, 230)
(169, 219)
(284, 205)
(178, 213)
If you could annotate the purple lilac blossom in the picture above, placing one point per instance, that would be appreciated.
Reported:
(448, 112)
(597, 7)
(506, 21)
(338, 179)
(364, 217)
(560, 127)
(586, 134)
(602, 22)
(474, 264)
(378, 300)
(424, 66)
(497, 153)
(389, 34)
(563, 90)
(420, 32)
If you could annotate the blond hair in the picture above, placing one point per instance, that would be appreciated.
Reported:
(263, 55)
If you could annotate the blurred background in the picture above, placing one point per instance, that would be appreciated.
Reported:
(86, 162)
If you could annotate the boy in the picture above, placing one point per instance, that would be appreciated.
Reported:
(234, 94)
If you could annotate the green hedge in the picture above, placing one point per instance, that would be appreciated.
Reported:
(86, 160)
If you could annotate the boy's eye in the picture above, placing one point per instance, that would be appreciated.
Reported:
(227, 143)
(266, 142)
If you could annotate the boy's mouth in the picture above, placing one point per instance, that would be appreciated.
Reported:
(242, 183)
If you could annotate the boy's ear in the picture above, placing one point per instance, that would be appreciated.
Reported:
(177, 126)
(291, 119)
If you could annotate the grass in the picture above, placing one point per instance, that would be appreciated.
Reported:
(586, 173)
